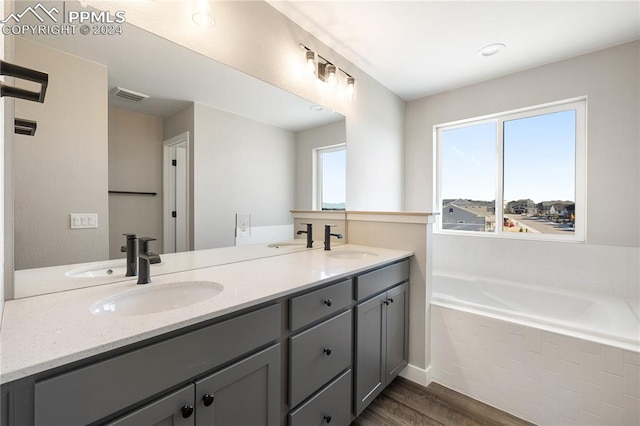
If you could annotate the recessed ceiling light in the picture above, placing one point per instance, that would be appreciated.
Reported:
(491, 49)
(317, 108)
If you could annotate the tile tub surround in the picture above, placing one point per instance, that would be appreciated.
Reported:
(607, 270)
(43, 332)
(543, 377)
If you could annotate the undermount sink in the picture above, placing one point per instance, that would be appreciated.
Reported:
(154, 298)
(101, 270)
(351, 254)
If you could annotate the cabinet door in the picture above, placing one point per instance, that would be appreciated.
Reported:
(397, 334)
(370, 347)
(175, 409)
(245, 393)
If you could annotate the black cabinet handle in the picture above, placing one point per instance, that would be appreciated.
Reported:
(187, 411)
(327, 419)
(327, 351)
(386, 302)
(391, 299)
(328, 302)
(207, 399)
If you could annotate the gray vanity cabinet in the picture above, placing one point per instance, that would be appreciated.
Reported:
(382, 339)
(175, 409)
(246, 393)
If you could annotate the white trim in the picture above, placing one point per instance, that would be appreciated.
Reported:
(320, 214)
(388, 217)
(181, 138)
(317, 171)
(421, 376)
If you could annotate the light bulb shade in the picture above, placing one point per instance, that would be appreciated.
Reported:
(331, 76)
(202, 13)
(310, 64)
(351, 89)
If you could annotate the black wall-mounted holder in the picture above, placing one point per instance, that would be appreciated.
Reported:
(22, 126)
(23, 73)
(25, 127)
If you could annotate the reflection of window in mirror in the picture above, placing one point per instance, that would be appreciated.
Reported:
(331, 175)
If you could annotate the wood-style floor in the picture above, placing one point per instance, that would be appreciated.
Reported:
(405, 403)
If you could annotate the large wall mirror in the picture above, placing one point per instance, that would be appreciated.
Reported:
(219, 148)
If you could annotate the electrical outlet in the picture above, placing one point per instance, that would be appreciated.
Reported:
(243, 225)
(84, 220)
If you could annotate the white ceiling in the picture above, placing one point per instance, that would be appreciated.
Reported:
(418, 48)
(174, 76)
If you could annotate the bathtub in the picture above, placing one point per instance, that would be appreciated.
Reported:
(602, 319)
(550, 357)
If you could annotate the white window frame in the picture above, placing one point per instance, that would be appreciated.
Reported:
(577, 104)
(317, 171)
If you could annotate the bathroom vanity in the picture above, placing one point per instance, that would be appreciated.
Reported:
(303, 338)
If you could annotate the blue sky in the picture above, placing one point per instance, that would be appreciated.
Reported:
(539, 158)
(334, 177)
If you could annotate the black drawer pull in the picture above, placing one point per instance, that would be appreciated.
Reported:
(327, 419)
(327, 302)
(187, 411)
(207, 399)
(327, 351)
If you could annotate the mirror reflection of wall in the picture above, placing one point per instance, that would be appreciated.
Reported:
(89, 143)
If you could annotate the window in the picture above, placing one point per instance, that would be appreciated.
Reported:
(523, 169)
(331, 177)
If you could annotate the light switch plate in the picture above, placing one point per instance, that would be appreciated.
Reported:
(84, 220)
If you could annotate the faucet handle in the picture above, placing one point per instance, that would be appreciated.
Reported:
(143, 244)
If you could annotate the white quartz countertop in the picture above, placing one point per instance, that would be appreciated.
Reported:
(47, 331)
(36, 281)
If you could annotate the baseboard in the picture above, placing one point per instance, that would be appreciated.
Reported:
(417, 375)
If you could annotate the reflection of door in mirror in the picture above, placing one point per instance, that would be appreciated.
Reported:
(176, 194)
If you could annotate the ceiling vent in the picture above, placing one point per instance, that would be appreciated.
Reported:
(129, 95)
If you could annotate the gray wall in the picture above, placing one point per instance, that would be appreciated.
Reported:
(608, 262)
(262, 42)
(240, 166)
(306, 142)
(135, 164)
(63, 169)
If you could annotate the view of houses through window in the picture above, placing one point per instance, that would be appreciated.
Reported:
(526, 162)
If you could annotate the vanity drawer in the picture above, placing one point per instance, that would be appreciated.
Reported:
(318, 355)
(318, 304)
(330, 405)
(374, 282)
(90, 393)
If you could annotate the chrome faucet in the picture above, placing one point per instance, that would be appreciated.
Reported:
(132, 254)
(145, 259)
(309, 233)
(328, 235)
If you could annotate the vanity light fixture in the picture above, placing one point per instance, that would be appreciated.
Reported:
(327, 72)
(202, 13)
(491, 49)
(351, 88)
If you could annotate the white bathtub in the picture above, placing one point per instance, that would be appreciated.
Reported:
(550, 357)
(602, 319)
